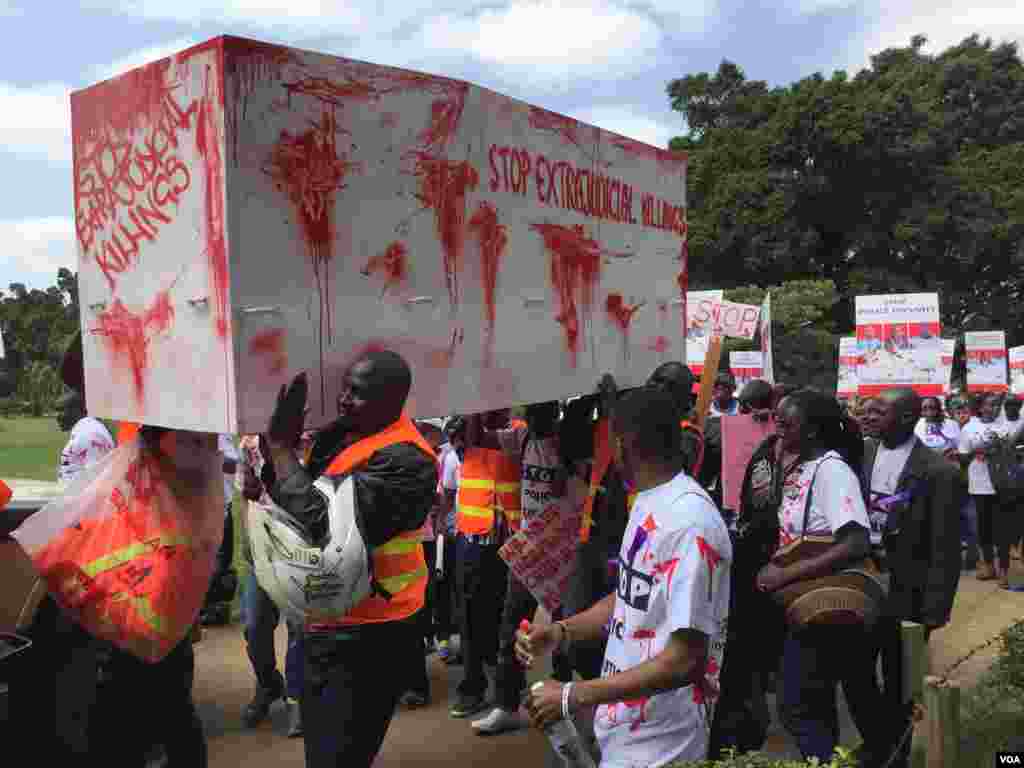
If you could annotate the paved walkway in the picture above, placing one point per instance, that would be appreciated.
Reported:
(428, 737)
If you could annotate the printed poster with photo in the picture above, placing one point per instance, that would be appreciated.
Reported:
(849, 359)
(899, 343)
(1017, 370)
(948, 352)
(986, 361)
(766, 339)
(702, 308)
(746, 366)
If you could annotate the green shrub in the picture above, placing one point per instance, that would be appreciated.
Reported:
(992, 712)
(844, 758)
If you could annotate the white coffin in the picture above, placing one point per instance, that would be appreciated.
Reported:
(247, 211)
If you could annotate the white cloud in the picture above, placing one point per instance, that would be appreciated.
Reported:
(631, 124)
(40, 245)
(37, 121)
(548, 39)
(140, 57)
(943, 22)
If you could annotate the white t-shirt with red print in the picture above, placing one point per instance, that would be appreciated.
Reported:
(89, 442)
(836, 501)
(544, 479)
(673, 574)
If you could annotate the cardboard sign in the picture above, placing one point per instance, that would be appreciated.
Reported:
(1017, 370)
(702, 309)
(849, 359)
(745, 367)
(899, 343)
(740, 437)
(542, 557)
(948, 352)
(766, 339)
(274, 211)
(986, 361)
(738, 321)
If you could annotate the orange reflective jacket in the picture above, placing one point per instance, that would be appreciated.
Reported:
(399, 567)
(488, 481)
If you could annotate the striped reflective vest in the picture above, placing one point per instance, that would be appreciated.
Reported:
(399, 567)
(488, 481)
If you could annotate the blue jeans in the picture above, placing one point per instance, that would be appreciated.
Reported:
(969, 532)
(260, 618)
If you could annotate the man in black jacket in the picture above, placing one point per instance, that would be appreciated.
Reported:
(914, 497)
(357, 667)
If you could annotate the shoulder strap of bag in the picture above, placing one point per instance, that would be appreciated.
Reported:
(810, 495)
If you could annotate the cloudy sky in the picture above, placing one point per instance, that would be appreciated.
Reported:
(602, 61)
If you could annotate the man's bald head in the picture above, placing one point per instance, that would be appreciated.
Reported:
(374, 391)
(892, 415)
(677, 380)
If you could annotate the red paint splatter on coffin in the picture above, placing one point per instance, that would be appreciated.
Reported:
(659, 344)
(443, 187)
(575, 270)
(127, 335)
(565, 127)
(493, 238)
(248, 64)
(620, 312)
(392, 264)
(333, 92)
(208, 144)
(271, 344)
(309, 169)
(683, 281)
(667, 160)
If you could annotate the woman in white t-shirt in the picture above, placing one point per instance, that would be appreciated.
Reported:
(817, 446)
(995, 519)
(935, 430)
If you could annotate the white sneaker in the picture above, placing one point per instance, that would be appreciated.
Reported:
(498, 721)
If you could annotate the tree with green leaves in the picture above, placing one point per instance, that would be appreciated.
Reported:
(903, 177)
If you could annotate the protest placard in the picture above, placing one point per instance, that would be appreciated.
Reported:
(746, 366)
(740, 437)
(986, 361)
(948, 351)
(1017, 370)
(899, 343)
(766, 340)
(738, 321)
(849, 359)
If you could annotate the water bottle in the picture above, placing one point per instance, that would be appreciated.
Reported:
(566, 742)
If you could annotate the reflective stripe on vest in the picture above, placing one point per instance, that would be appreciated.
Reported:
(488, 480)
(399, 567)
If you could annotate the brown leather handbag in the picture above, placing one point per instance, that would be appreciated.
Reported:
(853, 596)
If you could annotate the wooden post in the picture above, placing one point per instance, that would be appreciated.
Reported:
(707, 380)
(915, 665)
(942, 714)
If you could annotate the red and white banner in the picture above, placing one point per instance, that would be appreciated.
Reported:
(543, 557)
(986, 361)
(702, 309)
(738, 321)
(849, 360)
(899, 340)
(1017, 370)
(746, 366)
(948, 352)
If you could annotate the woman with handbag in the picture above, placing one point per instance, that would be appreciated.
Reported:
(823, 540)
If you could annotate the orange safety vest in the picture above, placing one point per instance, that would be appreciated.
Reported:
(602, 461)
(5, 494)
(488, 480)
(126, 431)
(399, 567)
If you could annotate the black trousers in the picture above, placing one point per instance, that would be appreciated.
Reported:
(52, 691)
(353, 680)
(888, 638)
(510, 676)
(997, 528)
(446, 619)
(142, 705)
(482, 583)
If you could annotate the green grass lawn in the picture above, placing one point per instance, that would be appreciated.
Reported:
(30, 448)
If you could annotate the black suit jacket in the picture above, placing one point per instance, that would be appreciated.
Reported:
(922, 540)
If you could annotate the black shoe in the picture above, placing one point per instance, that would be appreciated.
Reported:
(294, 720)
(454, 660)
(256, 711)
(467, 705)
(414, 700)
